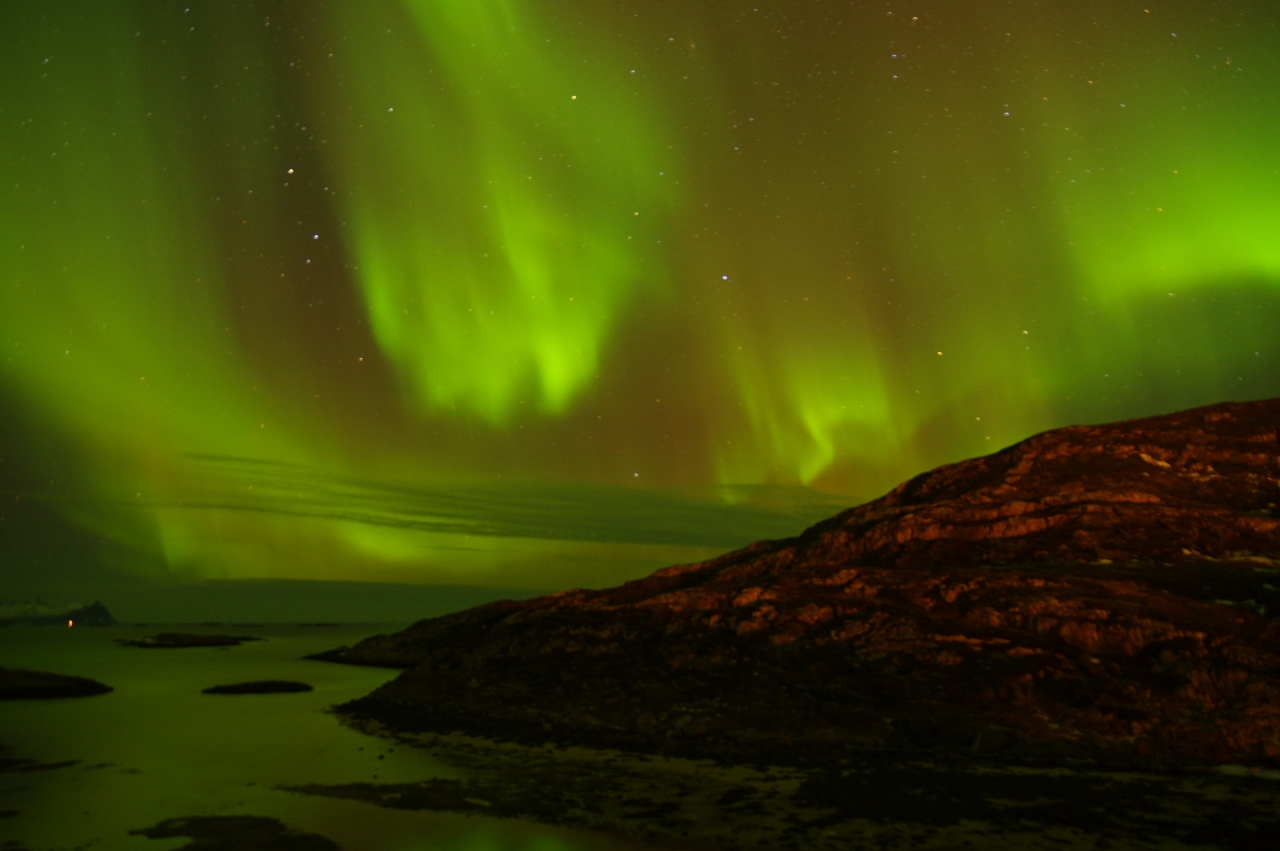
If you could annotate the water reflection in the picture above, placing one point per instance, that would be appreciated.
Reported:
(156, 748)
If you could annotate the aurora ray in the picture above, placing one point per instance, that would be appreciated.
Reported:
(754, 260)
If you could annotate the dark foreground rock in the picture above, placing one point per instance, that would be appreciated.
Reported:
(259, 687)
(187, 639)
(236, 833)
(879, 801)
(1094, 595)
(18, 684)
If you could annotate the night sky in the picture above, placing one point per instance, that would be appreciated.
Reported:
(538, 293)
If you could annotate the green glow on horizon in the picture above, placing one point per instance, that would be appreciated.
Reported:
(503, 203)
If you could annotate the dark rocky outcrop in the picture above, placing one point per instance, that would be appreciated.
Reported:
(871, 801)
(187, 639)
(259, 687)
(19, 684)
(10, 762)
(1094, 593)
(236, 833)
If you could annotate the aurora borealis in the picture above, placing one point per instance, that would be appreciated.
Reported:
(554, 292)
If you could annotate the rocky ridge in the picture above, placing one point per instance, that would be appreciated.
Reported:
(1095, 594)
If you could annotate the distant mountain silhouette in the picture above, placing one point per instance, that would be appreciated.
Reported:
(1094, 593)
(41, 614)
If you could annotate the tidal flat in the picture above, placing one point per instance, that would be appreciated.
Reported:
(155, 764)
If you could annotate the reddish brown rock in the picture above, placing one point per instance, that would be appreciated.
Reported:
(1093, 593)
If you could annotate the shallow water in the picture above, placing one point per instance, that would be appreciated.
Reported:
(156, 748)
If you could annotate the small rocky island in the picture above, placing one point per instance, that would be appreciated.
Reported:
(236, 833)
(1092, 596)
(19, 684)
(259, 687)
(186, 639)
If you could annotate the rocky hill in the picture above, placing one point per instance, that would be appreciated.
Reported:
(1094, 594)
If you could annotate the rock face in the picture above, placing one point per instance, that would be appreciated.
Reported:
(1095, 593)
(19, 684)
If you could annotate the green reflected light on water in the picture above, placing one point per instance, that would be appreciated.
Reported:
(157, 748)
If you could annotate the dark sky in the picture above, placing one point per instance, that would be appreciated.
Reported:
(545, 293)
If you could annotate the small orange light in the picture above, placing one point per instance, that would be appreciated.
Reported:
(71, 623)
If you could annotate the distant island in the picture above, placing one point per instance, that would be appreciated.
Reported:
(41, 614)
(20, 684)
(260, 687)
(169, 640)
